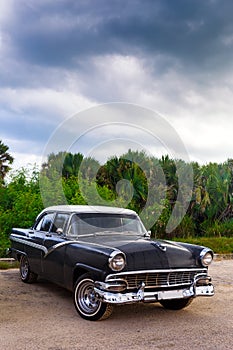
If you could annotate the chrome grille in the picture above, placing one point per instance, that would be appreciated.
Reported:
(158, 279)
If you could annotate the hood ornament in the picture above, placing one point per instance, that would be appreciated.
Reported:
(160, 245)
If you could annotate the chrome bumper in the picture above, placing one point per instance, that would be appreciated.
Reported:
(141, 295)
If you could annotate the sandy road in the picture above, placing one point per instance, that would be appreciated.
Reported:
(42, 316)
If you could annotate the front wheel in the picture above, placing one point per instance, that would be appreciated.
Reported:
(176, 304)
(26, 274)
(88, 306)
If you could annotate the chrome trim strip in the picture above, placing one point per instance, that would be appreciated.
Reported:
(29, 243)
(57, 246)
(122, 274)
(39, 246)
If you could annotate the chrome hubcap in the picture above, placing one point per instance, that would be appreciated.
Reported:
(86, 300)
(24, 268)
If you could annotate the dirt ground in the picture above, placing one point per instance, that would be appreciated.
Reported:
(42, 316)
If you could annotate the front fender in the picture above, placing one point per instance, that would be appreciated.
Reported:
(80, 269)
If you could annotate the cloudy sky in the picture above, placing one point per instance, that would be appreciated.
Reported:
(61, 58)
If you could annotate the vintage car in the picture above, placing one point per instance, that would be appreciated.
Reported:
(105, 256)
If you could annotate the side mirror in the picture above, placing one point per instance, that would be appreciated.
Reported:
(147, 234)
(59, 231)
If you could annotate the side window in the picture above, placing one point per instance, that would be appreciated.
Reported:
(60, 222)
(45, 222)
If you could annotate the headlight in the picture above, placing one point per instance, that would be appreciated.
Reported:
(206, 257)
(117, 261)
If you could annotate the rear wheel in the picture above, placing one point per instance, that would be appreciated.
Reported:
(26, 274)
(86, 303)
(176, 304)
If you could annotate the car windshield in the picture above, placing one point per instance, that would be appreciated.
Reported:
(96, 223)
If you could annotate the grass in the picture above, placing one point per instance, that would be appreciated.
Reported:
(5, 265)
(220, 245)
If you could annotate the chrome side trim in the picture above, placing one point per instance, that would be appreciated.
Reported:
(29, 243)
(57, 246)
(39, 246)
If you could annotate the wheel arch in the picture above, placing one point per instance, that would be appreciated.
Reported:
(16, 254)
(81, 269)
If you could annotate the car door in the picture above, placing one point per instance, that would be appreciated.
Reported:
(55, 243)
(35, 248)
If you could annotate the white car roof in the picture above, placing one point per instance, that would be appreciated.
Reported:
(88, 209)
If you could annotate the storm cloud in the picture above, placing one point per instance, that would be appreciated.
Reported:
(61, 57)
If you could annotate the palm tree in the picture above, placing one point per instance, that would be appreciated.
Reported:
(71, 164)
(5, 160)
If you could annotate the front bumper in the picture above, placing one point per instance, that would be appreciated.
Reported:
(196, 289)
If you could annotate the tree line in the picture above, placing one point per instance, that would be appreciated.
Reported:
(135, 180)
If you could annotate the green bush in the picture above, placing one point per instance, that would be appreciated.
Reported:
(185, 229)
(218, 229)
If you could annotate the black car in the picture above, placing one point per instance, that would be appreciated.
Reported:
(106, 257)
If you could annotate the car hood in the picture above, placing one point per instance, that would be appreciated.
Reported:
(148, 254)
(152, 254)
